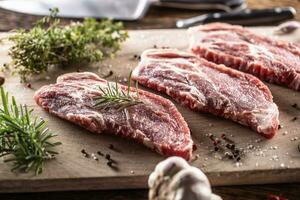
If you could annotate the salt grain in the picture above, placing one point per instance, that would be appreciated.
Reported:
(238, 164)
(294, 138)
(275, 158)
(273, 147)
(285, 133)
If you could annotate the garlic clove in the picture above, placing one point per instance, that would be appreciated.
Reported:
(175, 179)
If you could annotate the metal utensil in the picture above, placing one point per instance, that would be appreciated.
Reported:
(244, 17)
(114, 9)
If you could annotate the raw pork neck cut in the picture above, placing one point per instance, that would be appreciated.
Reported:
(270, 60)
(155, 123)
(205, 86)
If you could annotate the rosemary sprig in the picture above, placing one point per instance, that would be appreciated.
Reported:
(49, 43)
(113, 96)
(24, 140)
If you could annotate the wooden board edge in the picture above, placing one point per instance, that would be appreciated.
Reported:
(140, 182)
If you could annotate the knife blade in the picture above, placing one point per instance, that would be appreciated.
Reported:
(244, 17)
(114, 9)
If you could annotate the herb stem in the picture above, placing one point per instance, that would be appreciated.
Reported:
(24, 140)
(113, 96)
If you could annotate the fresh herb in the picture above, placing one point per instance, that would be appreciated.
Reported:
(49, 44)
(113, 96)
(24, 139)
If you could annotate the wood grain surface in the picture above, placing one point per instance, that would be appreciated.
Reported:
(156, 18)
(265, 161)
(251, 192)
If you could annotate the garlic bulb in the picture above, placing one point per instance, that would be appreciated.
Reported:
(175, 179)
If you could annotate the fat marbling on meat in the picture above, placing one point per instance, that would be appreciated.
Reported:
(234, 46)
(205, 86)
(155, 123)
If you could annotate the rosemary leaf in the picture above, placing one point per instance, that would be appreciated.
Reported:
(113, 96)
(24, 139)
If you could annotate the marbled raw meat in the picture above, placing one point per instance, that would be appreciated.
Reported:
(234, 46)
(205, 86)
(155, 123)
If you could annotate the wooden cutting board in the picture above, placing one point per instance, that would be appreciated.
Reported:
(265, 161)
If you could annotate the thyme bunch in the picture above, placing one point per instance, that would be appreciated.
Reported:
(48, 43)
(24, 140)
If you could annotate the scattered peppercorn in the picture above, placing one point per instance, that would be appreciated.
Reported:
(229, 155)
(194, 147)
(28, 85)
(279, 126)
(136, 57)
(294, 118)
(223, 136)
(94, 157)
(230, 146)
(111, 146)
(110, 73)
(218, 145)
(85, 154)
(155, 46)
(294, 105)
(100, 153)
(109, 163)
(2, 80)
(107, 156)
(211, 136)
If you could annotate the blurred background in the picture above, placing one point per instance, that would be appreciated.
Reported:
(158, 17)
(155, 16)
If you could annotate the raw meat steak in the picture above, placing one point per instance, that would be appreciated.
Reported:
(236, 47)
(205, 86)
(155, 123)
